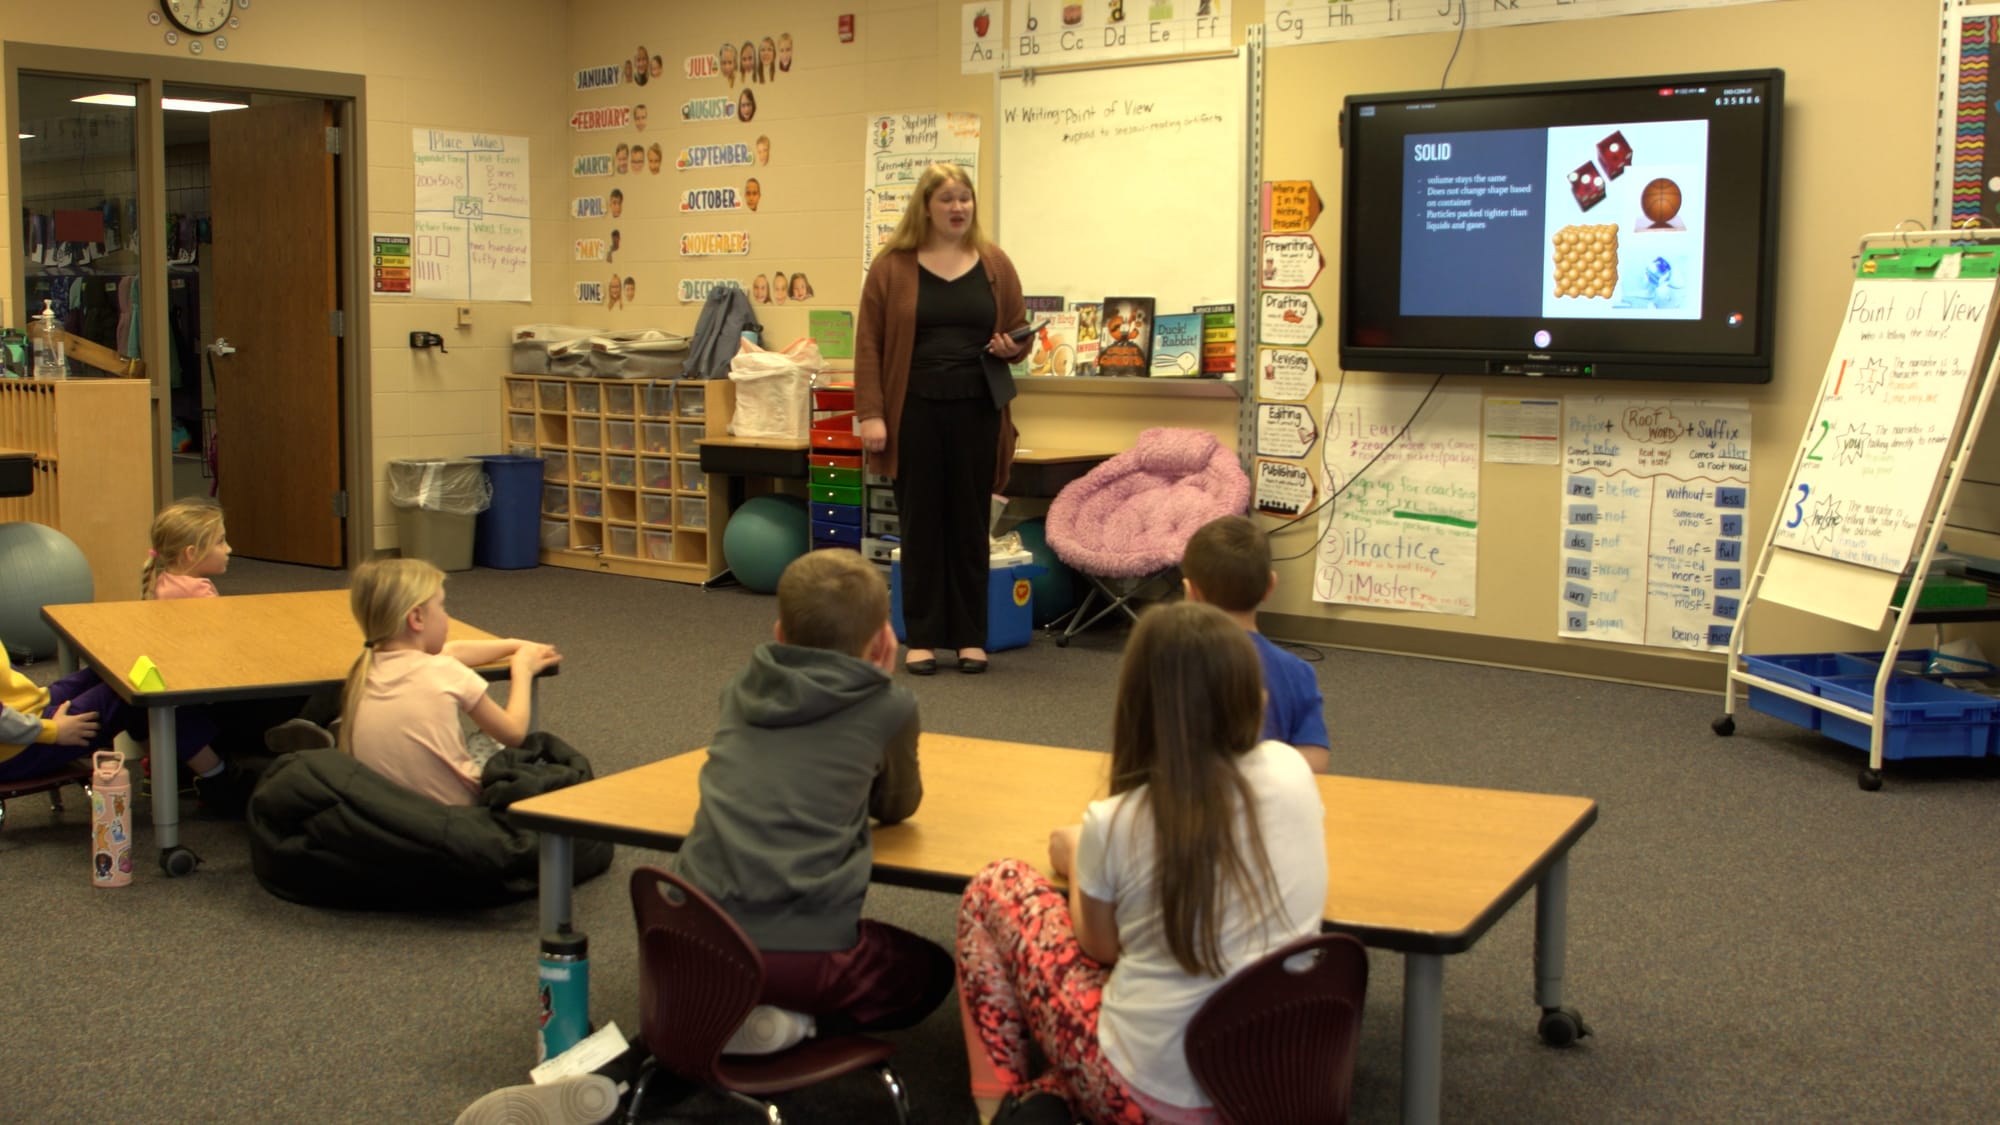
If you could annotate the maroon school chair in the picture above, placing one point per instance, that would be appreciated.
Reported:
(1276, 1041)
(699, 976)
(51, 784)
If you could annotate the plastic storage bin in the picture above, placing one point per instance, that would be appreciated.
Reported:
(620, 401)
(555, 535)
(1010, 618)
(690, 512)
(589, 503)
(555, 499)
(504, 536)
(656, 472)
(1923, 719)
(688, 476)
(583, 398)
(520, 427)
(437, 503)
(555, 396)
(659, 545)
(687, 439)
(520, 394)
(620, 469)
(586, 468)
(656, 510)
(618, 436)
(1807, 672)
(657, 401)
(622, 542)
(555, 465)
(656, 437)
(585, 433)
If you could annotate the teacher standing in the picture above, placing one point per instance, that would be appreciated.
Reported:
(931, 390)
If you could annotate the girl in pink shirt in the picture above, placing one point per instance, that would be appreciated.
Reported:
(409, 685)
(189, 546)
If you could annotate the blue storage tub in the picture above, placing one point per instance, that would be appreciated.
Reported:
(849, 514)
(1924, 719)
(1806, 671)
(1010, 618)
(836, 534)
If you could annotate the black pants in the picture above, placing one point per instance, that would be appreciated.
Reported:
(945, 449)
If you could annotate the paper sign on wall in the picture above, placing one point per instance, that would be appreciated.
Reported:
(1285, 375)
(472, 230)
(1284, 430)
(899, 147)
(1284, 489)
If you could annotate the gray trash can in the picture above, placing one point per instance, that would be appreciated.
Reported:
(437, 504)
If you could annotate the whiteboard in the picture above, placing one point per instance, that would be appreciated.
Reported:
(1126, 181)
(1888, 410)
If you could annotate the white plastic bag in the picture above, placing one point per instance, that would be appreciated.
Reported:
(774, 389)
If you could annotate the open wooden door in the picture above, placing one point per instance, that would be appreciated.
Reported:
(277, 399)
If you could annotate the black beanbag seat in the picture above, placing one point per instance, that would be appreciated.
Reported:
(326, 830)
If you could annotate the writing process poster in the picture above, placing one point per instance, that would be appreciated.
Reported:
(1653, 504)
(900, 147)
(1888, 405)
(1403, 530)
(1303, 21)
(472, 231)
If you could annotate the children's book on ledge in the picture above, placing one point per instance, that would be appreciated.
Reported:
(1127, 337)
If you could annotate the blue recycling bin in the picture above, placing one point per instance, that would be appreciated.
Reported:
(508, 534)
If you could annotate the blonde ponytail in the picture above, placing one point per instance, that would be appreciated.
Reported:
(381, 597)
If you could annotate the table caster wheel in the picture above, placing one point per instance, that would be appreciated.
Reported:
(1870, 779)
(1562, 1027)
(1725, 726)
(1062, 642)
(178, 861)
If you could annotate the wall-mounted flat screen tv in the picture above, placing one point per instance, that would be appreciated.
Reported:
(1620, 229)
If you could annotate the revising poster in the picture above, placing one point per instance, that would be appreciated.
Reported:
(1403, 531)
(1654, 496)
(900, 147)
(471, 237)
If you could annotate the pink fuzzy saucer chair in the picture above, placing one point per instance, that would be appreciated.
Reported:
(1124, 524)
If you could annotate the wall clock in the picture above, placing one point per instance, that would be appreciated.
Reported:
(196, 19)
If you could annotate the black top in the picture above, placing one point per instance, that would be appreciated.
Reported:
(954, 321)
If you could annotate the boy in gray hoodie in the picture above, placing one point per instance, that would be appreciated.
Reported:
(815, 738)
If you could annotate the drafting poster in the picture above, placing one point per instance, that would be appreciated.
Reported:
(900, 147)
(471, 216)
(1403, 532)
(1653, 502)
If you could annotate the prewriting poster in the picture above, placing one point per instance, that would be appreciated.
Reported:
(1403, 532)
(900, 146)
(1654, 495)
(472, 231)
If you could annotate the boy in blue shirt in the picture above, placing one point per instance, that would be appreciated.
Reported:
(1227, 563)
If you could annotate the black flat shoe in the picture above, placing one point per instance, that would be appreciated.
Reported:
(926, 667)
(971, 666)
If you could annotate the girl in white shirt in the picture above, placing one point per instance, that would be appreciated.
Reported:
(407, 688)
(1209, 853)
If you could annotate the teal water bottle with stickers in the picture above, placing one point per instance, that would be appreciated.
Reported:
(563, 1011)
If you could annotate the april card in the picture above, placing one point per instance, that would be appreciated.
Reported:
(1053, 350)
(1127, 336)
(1089, 334)
(1177, 346)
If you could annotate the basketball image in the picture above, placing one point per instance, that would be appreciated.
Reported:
(1661, 201)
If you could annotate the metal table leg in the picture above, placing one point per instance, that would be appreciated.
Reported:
(1560, 1026)
(557, 871)
(1423, 1037)
(166, 780)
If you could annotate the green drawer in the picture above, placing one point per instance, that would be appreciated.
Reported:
(838, 478)
(834, 494)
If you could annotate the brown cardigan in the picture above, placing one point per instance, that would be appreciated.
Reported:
(886, 336)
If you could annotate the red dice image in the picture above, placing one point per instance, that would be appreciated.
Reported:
(1587, 185)
(1613, 154)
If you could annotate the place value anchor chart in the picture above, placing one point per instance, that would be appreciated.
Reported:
(1654, 495)
(1888, 407)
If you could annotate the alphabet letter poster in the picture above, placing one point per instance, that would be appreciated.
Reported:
(1654, 495)
(1405, 532)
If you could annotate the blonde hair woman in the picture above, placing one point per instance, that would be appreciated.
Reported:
(409, 685)
(940, 299)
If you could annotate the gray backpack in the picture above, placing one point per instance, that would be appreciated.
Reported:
(725, 316)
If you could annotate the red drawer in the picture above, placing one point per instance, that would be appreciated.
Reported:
(833, 398)
(835, 439)
(835, 461)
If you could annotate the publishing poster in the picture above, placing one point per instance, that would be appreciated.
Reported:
(899, 147)
(1653, 506)
(1403, 532)
(472, 231)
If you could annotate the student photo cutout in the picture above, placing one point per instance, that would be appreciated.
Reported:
(746, 105)
(727, 58)
(655, 156)
(753, 193)
(785, 52)
(763, 150)
(760, 290)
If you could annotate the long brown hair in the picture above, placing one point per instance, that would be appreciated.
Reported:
(914, 229)
(382, 595)
(184, 529)
(1190, 704)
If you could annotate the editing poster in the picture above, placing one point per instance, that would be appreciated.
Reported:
(1403, 529)
(900, 147)
(471, 238)
(1654, 496)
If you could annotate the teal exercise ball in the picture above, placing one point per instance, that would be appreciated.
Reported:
(763, 537)
(1055, 590)
(38, 566)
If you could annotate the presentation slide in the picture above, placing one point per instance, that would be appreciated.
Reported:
(1601, 222)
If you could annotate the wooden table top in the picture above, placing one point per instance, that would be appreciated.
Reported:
(234, 647)
(1411, 867)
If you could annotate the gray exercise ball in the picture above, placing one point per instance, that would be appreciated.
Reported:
(38, 566)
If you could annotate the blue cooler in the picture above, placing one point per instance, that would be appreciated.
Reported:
(1010, 618)
(508, 534)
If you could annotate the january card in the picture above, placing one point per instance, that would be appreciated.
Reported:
(1127, 344)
